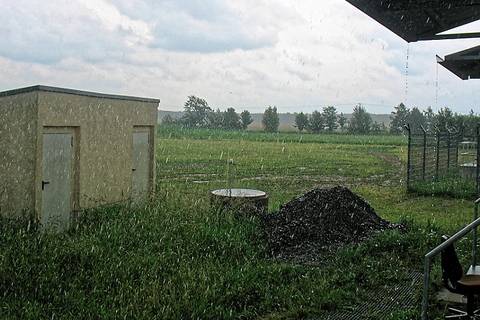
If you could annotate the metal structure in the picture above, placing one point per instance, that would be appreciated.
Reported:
(431, 156)
(465, 64)
(436, 155)
(472, 227)
(418, 20)
(382, 302)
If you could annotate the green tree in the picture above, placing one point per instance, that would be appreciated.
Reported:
(215, 119)
(168, 120)
(246, 119)
(342, 121)
(429, 119)
(270, 120)
(330, 118)
(361, 121)
(376, 128)
(444, 119)
(460, 123)
(316, 123)
(466, 124)
(195, 113)
(416, 119)
(471, 121)
(399, 119)
(231, 120)
(301, 121)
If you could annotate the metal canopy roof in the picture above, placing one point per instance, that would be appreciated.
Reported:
(465, 64)
(415, 20)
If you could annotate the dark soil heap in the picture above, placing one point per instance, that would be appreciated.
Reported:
(321, 218)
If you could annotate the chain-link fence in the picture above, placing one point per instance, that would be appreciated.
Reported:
(443, 162)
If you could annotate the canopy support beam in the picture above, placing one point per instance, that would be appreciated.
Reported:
(453, 36)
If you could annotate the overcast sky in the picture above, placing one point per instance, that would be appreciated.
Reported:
(297, 55)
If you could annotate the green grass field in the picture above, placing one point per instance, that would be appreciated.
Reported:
(174, 258)
(285, 137)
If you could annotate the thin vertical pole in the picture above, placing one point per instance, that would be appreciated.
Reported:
(437, 162)
(478, 160)
(458, 139)
(448, 151)
(426, 284)
(409, 156)
(424, 162)
(406, 73)
(474, 244)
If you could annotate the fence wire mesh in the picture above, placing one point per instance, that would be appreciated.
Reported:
(443, 162)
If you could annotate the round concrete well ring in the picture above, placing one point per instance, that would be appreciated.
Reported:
(241, 202)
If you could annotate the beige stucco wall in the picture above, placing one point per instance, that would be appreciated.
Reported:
(104, 129)
(18, 128)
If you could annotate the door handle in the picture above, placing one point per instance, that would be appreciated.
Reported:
(44, 183)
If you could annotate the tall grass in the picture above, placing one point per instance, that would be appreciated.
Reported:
(450, 185)
(174, 259)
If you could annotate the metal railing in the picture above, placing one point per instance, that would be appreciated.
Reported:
(429, 256)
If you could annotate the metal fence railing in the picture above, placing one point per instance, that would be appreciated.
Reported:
(472, 227)
(433, 156)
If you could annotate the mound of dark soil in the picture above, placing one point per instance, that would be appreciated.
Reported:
(321, 218)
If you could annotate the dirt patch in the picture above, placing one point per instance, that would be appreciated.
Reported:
(389, 158)
(395, 174)
(321, 219)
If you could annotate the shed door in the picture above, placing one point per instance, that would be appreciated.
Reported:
(57, 180)
(141, 164)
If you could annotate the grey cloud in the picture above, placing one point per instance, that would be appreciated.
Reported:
(151, 10)
(46, 33)
(198, 26)
(331, 53)
(187, 39)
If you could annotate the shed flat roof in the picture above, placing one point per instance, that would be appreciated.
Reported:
(465, 64)
(415, 20)
(75, 92)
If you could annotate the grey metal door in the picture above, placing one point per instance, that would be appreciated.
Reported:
(57, 181)
(141, 165)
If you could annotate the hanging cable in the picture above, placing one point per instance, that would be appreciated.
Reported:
(436, 89)
(406, 72)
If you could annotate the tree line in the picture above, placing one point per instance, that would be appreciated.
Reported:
(444, 120)
(328, 120)
(198, 114)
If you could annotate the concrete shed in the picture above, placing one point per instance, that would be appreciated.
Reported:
(62, 151)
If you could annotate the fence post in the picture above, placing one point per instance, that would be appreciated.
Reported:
(474, 242)
(458, 138)
(426, 284)
(448, 150)
(478, 159)
(424, 161)
(437, 162)
(409, 157)
(455, 134)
